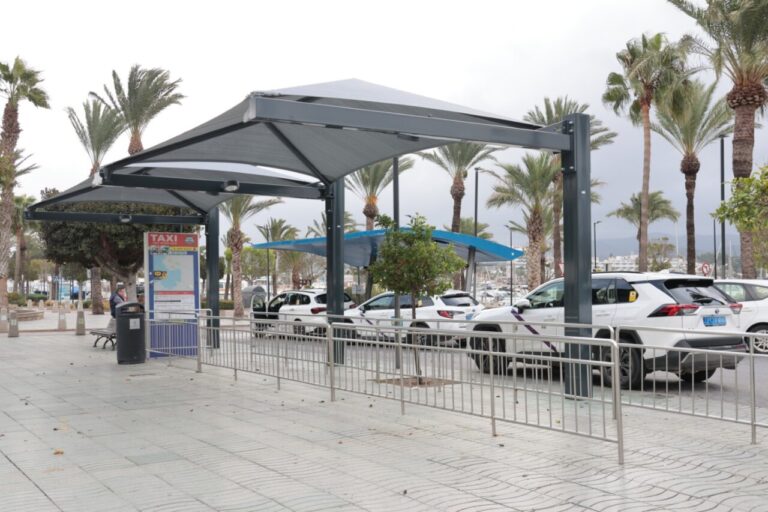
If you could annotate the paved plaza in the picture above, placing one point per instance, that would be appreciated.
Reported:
(78, 432)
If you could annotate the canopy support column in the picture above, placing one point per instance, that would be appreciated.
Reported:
(334, 214)
(471, 284)
(212, 262)
(577, 203)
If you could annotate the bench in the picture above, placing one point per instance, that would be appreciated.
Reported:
(107, 334)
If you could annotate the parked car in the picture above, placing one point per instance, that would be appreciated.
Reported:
(626, 299)
(753, 294)
(434, 312)
(294, 306)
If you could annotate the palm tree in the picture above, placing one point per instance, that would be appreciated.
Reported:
(467, 227)
(20, 226)
(369, 182)
(659, 208)
(529, 186)
(690, 130)
(273, 231)
(651, 67)
(237, 210)
(552, 113)
(320, 229)
(149, 92)
(740, 50)
(18, 83)
(102, 127)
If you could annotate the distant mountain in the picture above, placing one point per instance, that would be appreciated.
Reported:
(625, 246)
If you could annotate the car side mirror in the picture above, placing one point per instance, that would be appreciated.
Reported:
(523, 304)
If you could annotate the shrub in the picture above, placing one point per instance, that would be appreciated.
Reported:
(224, 305)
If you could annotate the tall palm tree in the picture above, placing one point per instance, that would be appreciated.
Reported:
(369, 182)
(689, 130)
(659, 208)
(529, 186)
(467, 227)
(237, 210)
(651, 67)
(20, 226)
(457, 159)
(320, 229)
(739, 49)
(147, 93)
(18, 83)
(98, 132)
(555, 112)
(273, 231)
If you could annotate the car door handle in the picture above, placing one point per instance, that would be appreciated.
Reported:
(602, 314)
(549, 319)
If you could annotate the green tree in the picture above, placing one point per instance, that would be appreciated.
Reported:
(651, 68)
(148, 92)
(369, 182)
(97, 134)
(690, 129)
(237, 210)
(659, 208)
(273, 231)
(660, 252)
(20, 226)
(738, 30)
(747, 209)
(467, 227)
(18, 83)
(320, 229)
(556, 112)
(529, 186)
(410, 262)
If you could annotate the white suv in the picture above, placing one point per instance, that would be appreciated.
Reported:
(627, 299)
(294, 306)
(753, 294)
(436, 312)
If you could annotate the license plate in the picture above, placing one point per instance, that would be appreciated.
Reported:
(714, 321)
(469, 316)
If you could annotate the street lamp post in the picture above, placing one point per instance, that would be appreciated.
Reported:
(594, 241)
(474, 262)
(722, 199)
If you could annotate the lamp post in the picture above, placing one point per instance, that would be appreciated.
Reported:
(722, 200)
(594, 242)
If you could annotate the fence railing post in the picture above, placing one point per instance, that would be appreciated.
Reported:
(491, 365)
(398, 359)
(616, 387)
(331, 361)
(752, 391)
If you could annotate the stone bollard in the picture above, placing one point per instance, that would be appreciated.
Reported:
(3, 320)
(40, 304)
(13, 324)
(29, 303)
(80, 325)
(62, 319)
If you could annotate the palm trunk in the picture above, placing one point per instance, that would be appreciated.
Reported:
(457, 193)
(237, 279)
(135, 145)
(226, 286)
(689, 166)
(645, 191)
(6, 235)
(557, 213)
(97, 299)
(533, 255)
(371, 211)
(743, 146)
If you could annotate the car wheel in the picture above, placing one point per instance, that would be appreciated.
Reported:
(298, 329)
(760, 344)
(631, 372)
(420, 338)
(699, 376)
(483, 362)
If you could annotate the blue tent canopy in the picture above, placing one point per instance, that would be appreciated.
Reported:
(358, 247)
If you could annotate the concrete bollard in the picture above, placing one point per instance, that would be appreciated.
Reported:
(80, 325)
(40, 304)
(3, 320)
(13, 324)
(29, 303)
(62, 319)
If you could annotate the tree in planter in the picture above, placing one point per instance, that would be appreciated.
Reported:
(410, 262)
(274, 231)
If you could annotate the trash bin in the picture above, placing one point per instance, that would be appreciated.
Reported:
(129, 327)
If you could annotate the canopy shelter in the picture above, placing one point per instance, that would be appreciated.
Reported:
(323, 132)
(361, 247)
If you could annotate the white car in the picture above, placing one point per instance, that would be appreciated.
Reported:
(295, 306)
(626, 299)
(436, 312)
(753, 294)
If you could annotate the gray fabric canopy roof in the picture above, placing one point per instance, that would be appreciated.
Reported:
(339, 127)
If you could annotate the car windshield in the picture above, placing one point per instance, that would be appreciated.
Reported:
(691, 291)
(459, 300)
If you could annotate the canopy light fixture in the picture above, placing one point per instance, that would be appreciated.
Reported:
(230, 186)
(125, 218)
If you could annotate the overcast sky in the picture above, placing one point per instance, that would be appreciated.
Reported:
(500, 57)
